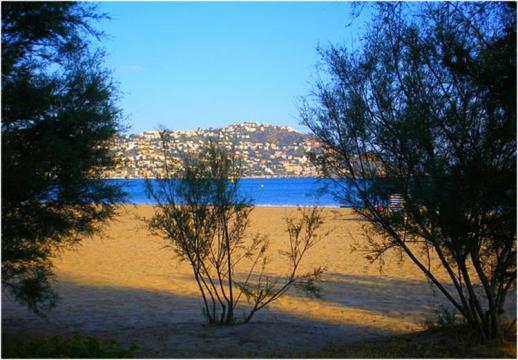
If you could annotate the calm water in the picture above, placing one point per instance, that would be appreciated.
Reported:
(264, 192)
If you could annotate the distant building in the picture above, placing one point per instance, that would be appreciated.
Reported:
(264, 150)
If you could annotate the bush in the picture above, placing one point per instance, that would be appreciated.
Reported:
(455, 342)
(75, 346)
(201, 212)
(442, 318)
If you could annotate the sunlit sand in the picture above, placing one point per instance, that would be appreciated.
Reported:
(128, 285)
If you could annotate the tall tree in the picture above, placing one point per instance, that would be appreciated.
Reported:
(58, 115)
(425, 111)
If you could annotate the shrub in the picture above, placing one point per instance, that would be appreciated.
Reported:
(75, 346)
(201, 212)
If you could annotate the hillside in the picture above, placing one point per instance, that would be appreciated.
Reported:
(264, 150)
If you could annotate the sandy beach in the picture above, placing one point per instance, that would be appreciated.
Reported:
(128, 285)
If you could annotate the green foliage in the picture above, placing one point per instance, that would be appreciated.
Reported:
(420, 110)
(309, 282)
(83, 347)
(33, 288)
(443, 318)
(58, 115)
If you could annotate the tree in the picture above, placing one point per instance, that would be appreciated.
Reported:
(58, 115)
(426, 110)
(200, 211)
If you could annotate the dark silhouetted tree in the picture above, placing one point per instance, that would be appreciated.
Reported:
(58, 115)
(425, 110)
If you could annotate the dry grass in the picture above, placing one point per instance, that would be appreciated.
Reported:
(455, 342)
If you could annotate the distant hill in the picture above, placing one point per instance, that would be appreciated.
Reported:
(264, 150)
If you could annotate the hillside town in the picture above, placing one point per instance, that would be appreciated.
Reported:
(263, 150)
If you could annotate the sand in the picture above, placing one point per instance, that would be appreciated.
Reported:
(129, 286)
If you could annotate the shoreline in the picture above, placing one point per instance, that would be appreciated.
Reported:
(241, 178)
(261, 206)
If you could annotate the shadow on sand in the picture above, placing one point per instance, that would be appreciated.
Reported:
(169, 325)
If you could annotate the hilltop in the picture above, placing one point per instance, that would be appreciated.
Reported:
(264, 150)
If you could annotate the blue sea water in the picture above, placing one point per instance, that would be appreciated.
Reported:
(263, 192)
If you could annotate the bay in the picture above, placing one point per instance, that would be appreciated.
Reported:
(264, 192)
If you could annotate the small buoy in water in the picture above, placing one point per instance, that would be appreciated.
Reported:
(261, 186)
(232, 179)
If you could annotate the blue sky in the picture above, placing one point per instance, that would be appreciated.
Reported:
(189, 65)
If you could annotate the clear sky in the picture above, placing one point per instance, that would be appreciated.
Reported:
(189, 65)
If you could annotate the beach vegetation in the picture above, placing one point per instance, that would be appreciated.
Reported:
(58, 347)
(200, 211)
(455, 342)
(418, 126)
(58, 115)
